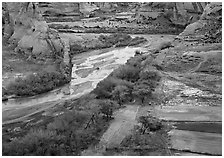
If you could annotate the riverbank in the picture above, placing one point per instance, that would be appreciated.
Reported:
(39, 118)
(85, 102)
(60, 69)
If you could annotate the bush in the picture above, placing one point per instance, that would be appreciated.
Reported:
(149, 75)
(146, 144)
(127, 72)
(69, 121)
(149, 123)
(36, 83)
(77, 49)
(66, 135)
(121, 94)
(106, 108)
(136, 61)
(36, 142)
(105, 87)
(117, 39)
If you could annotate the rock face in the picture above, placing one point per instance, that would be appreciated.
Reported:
(32, 35)
(7, 23)
(58, 11)
(175, 12)
(209, 26)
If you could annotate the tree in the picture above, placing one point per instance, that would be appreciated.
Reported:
(149, 75)
(105, 87)
(127, 72)
(149, 123)
(141, 91)
(146, 84)
(120, 93)
(106, 108)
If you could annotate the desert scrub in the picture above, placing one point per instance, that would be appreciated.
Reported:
(68, 134)
(149, 137)
(37, 83)
(107, 41)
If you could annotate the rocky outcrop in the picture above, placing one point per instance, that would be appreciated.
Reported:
(60, 11)
(213, 10)
(32, 35)
(209, 26)
(176, 12)
(7, 23)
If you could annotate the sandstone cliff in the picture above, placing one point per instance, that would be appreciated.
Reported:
(209, 27)
(30, 33)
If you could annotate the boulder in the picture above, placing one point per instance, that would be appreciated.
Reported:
(192, 28)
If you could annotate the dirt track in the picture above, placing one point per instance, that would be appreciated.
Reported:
(121, 126)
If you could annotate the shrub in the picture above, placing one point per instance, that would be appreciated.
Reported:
(106, 108)
(142, 91)
(120, 93)
(77, 49)
(136, 61)
(127, 72)
(117, 39)
(105, 87)
(148, 80)
(149, 123)
(147, 144)
(149, 75)
(36, 83)
(36, 142)
(68, 121)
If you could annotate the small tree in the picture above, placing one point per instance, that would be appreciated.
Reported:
(141, 91)
(127, 72)
(149, 123)
(106, 108)
(120, 93)
(149, 75)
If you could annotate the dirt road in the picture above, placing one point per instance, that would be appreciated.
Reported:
(123, 123)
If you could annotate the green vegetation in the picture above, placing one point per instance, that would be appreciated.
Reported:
(105, 88)
(120, 93)
(149, 123)
(68, 134)
(148, 138)
(107, 41)
(37, 83)
(106, 108)
(89, 116)
(128, 82)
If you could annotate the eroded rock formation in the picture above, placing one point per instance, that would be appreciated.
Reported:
(209, 26)
(31, 33)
